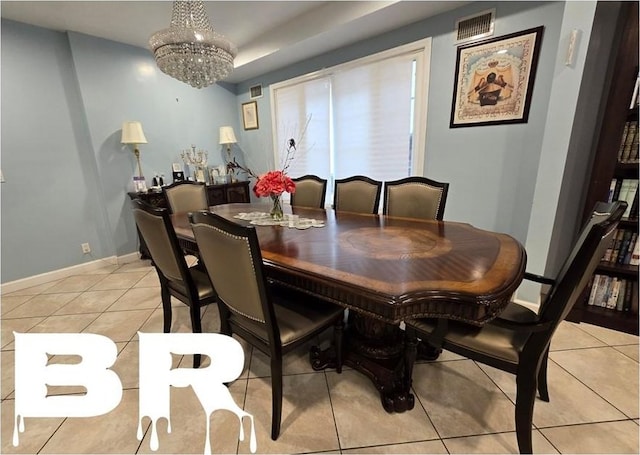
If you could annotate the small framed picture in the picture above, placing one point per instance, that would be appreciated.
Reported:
(139, 185)
(178, 176)
(199, 174)
(250, 115)
(176, 167)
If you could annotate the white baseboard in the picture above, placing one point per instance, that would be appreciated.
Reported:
(54, 275)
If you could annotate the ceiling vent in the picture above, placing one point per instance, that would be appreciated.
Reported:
(475, 27)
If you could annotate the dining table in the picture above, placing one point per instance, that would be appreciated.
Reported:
(384, 270)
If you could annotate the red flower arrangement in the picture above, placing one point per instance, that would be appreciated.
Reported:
(273, 183)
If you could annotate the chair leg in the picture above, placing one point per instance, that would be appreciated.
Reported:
(276, 395)
(196, 327)
(525, 399)
(225, 327)
(338, 330)
(543, 390)
(166, 309)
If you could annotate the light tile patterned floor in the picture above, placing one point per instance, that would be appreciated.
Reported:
(461, 406)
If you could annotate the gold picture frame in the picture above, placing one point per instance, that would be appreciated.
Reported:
(250, 115)
(494, 79)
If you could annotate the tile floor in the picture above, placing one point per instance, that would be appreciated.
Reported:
(461, 406)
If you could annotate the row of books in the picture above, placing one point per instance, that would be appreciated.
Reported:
(625, 190)
(624, 249)
(628, 150)
(635, 98)
(613, 293)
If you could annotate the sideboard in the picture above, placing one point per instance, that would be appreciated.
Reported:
(227, 193)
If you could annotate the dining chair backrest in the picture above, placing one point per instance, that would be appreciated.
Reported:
(186, 196)
(189, 285)
(415, 197)
(358, 194)
(310, 192)
(580, 265)
(154, 225)
(231, 255)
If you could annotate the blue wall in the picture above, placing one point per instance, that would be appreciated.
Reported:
(64, 98)
(71, 167)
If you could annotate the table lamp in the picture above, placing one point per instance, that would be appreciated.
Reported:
(228, 137)
(132, 134)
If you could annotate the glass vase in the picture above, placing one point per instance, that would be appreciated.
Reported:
(276, 209)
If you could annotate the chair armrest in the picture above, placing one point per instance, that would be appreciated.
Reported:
(539, 278)
(521, 326)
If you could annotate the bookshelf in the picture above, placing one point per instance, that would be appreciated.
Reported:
(611, 298)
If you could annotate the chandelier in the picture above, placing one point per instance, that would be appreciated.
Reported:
(189, 50)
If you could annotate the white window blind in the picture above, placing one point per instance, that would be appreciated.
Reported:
(367, 117)
(372, 118)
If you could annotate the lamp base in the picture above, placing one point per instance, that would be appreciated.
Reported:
(136, 152)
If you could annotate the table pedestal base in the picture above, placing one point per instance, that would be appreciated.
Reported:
(375, 349)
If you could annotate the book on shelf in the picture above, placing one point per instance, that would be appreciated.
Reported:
(634, 206)
(616, 242)
(633, 156)
(630, 196)
(635, 254)
(601, 289)
(614, 289)
(625, 190)
(612, 189)
(629, 251)
(606, 257)
(624, 245)
(621, 295)
(631, 292)
(617, 185)
(625, 132)
(635, 98)
(627, 148)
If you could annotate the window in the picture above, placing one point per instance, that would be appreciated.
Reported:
(367, 117)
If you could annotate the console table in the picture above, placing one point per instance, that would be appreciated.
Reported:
(227, 193)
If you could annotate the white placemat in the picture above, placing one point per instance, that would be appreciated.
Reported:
(290, 221)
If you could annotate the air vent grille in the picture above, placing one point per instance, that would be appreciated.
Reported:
(475, 27)
(255, 91)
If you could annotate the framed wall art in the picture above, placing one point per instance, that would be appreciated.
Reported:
(250, 115)
(494, 79)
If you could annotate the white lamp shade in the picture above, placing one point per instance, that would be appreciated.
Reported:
(132, 133)
(227, 136)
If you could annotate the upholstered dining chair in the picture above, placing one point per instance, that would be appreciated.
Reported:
(518, 341)
(186, 196)
(190, 285)
(274, 320)
(310, 191)
(357, 194)
(415, 197)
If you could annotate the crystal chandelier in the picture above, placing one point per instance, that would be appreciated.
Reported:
(189, 50)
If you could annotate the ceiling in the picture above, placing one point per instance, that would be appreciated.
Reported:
(269, 35)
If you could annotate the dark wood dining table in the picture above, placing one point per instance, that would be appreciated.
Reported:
(384, 270)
